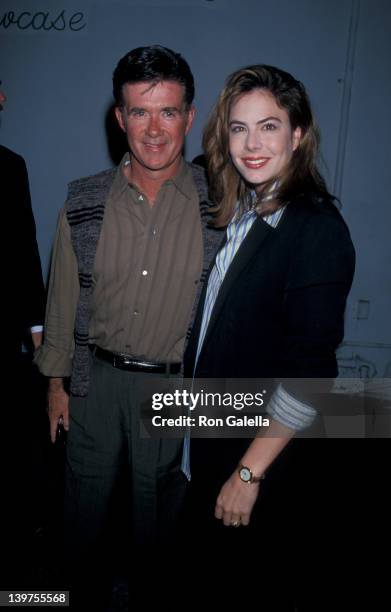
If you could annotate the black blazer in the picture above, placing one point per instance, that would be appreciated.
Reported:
(279, 312)
(280, 309)
(25, 303)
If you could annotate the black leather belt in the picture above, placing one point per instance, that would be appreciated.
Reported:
(125, 362)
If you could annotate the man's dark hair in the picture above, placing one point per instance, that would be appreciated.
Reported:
(152, 64)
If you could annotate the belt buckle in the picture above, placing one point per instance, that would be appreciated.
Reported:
(119, 361)
(125, 360)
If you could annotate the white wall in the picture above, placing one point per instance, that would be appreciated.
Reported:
(58, 84)
(366, 188)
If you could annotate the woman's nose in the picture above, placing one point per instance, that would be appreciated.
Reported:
(253, 140)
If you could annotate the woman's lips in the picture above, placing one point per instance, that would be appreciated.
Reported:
(254, 163)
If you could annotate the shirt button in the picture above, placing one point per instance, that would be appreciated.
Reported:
(135, 312)
(154, 231)
(144, 272)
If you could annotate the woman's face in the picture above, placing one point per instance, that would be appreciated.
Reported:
(261, 140)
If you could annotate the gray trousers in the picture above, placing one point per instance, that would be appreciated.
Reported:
(103, 441)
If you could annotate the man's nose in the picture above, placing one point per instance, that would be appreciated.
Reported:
(3, 97)
(154, 125)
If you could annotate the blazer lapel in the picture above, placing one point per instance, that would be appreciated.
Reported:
(254, 240)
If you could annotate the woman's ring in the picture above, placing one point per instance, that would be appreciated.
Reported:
(236, 523)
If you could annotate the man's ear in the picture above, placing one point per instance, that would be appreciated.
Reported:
(190, 119)
(119, 115)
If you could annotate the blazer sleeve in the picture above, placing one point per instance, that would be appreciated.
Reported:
(319, 280)
(23, 273)
(35, 289)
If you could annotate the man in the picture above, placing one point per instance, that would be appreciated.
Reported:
(130, 250)
(26, 295)
(24, 304)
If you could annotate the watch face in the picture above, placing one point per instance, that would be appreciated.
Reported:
(245, 474)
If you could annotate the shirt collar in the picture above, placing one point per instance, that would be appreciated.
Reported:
(120, 182)
(183, 179)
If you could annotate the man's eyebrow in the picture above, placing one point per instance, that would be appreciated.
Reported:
(172, 109)
(133, 109)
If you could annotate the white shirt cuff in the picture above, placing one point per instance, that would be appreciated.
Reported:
(289, 411)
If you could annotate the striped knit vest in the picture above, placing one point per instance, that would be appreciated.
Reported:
(85, 211)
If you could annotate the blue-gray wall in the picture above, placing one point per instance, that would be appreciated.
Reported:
(57, 77)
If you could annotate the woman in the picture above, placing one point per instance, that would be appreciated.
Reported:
(274, 303)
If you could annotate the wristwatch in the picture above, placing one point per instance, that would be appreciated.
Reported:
(246, 475)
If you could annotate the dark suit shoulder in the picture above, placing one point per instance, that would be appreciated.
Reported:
(15, 184)
(318, 210)
(316, 203)
(10, 158)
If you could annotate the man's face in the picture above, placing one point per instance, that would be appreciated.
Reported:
(156, 120)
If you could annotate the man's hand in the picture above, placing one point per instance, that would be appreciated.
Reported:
(236, 501)
(36, 337)
(58, 406)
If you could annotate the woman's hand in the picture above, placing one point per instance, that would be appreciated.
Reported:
(237, 498)
(236, 501)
